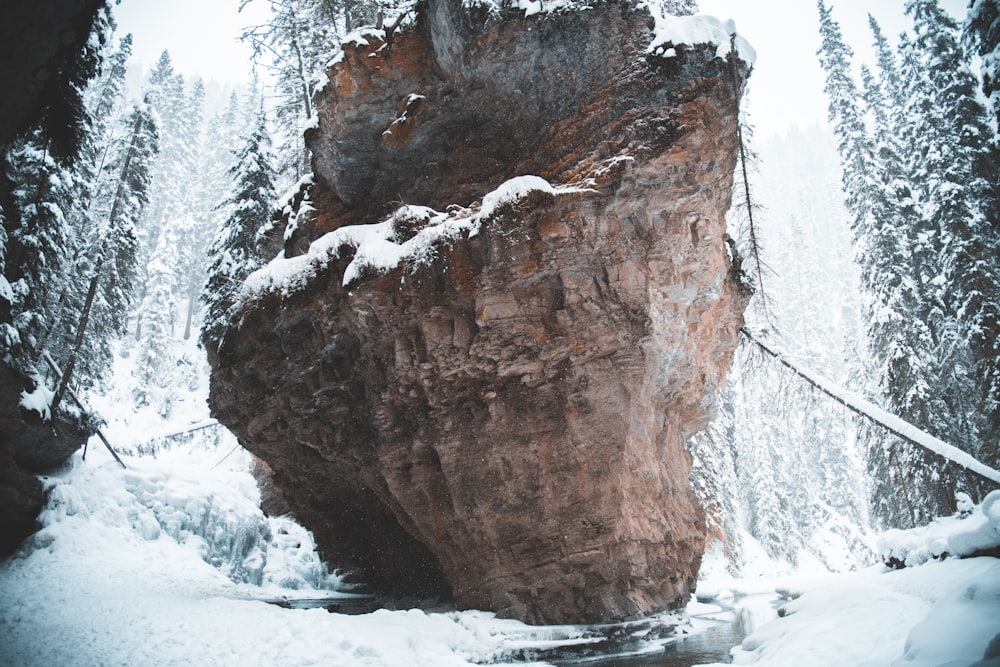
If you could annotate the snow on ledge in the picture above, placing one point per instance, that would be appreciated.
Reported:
(379, 248)
(39, 400)
(698, 29)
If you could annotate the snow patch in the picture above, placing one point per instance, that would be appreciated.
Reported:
(909, 618)
(39, 400)
(6, 291)
(534, 7)
(379, 247)
(671, 31)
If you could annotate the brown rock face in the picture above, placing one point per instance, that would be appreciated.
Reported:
(503, 417)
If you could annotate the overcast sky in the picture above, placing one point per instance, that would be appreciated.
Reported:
(786, 87)
(201, 35)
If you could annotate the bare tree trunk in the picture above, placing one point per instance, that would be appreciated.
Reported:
(192, 299)
(348, 24)
(78, 340)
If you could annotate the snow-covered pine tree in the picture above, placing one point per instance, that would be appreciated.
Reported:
(170, 177)
(928, 259)
(104, 99)
(876, 249)
(156, 359)
(889, 251)
(958, 197)
(95, 313)
(134, 166)
(286, 46)
(982, 34)
(715, 481)
(901, 343)
(113, 255)
(848, 121)
(233, 253)
(193, 235)
(38, 249)
(173, 176)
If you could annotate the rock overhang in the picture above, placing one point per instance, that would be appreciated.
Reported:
(492, 398)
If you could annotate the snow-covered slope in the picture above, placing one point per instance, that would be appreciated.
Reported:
(942, 613)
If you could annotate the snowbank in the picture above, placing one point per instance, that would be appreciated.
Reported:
(944, 613)
(959, 535)
(39, 400)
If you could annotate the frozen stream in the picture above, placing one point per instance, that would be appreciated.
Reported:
(730, 624)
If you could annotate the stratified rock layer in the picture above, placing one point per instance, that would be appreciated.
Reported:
(504, 420)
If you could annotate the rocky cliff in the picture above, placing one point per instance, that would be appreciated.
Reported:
(504, 304)
(29, 446)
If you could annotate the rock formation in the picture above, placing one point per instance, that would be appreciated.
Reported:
(28, 447)
(42, 48)
(474, 382)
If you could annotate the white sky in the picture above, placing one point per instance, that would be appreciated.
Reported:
(202, 36)
(786, 88)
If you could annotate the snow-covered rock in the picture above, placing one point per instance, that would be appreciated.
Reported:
(969, 531)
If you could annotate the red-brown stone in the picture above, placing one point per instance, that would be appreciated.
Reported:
(506, 423)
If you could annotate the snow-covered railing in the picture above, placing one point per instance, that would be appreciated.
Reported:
(890, 422)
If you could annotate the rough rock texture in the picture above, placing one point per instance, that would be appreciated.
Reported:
(40, 46)
(505, 420)
(28, 447)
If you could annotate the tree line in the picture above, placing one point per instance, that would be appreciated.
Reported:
(920, 157)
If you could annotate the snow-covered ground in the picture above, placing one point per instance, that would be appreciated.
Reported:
(943, 613)
(172, 562)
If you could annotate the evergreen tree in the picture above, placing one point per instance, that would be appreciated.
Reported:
(38, 249)
(847, 120)
(113, 270)
(104, 97)
(167, 97)
(233, 255)
(283, 47)
(173, 174)
(132, 191)
(156, 359)
(916, 192)
(982, 33)
(958, 195)
(194, 234)
(899, 342)
(715, 481)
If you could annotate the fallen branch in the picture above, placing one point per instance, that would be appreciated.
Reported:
(76, 399)
(208, 423)
(890, 422)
